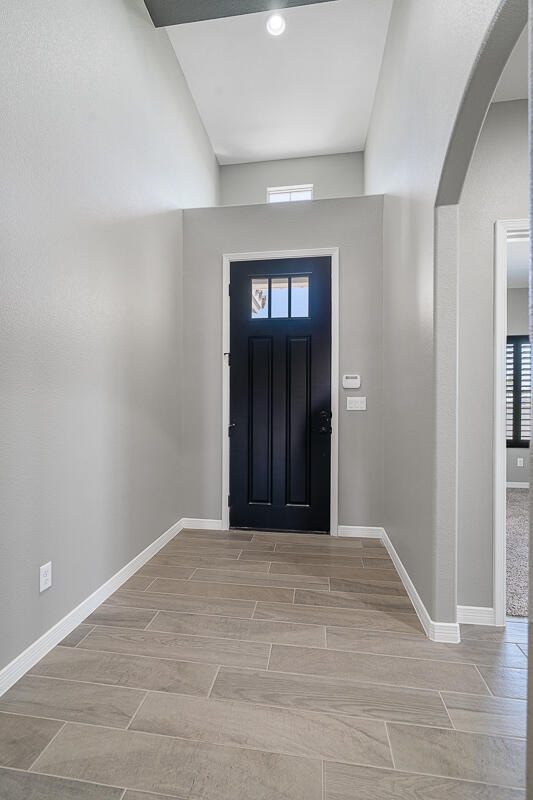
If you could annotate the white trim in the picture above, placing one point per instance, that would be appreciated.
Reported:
(475, 615)
(227, 259)
(360, 532)
(503, 229)
(518, 484)
(436, 631)
(201, 524)
(29, 657)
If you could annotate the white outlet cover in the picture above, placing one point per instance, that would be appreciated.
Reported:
(45, 577)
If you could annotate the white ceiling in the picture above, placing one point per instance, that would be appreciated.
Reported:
(513, 83)
(307, 92)
(518, 264)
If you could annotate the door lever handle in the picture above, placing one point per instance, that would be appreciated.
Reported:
(324, 426)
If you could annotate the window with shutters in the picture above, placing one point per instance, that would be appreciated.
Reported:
(518, 391)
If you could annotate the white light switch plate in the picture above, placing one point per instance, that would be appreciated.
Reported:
(356, 403)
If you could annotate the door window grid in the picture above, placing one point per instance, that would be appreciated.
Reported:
(280, 297)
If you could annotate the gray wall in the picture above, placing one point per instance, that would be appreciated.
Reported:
(417, 102)
(517, 325)
(496, 188)
(517, 312)
(100, 144)
(332, 176)
(354, 225)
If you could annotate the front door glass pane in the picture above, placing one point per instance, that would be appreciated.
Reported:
(300, 296)
(280, 297)
(259, 298)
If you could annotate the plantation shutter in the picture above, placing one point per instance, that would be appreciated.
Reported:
(518, 391)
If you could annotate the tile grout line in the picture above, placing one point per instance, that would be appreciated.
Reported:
(81, 781)
(219, 667)
(175, 797)
(491, 694)
(314, 625)
(447, 710)
(47, 746)
(306, 586)
(323, 781)
(304, 712)
(111, 627)
(146, 587)
(175, 611)
(390, 745)
(367, 628)
(359, 682)
(149, 622)
(200, 741)
(130, 723)
(82, 639)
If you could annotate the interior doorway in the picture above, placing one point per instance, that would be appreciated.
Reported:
(512, 418)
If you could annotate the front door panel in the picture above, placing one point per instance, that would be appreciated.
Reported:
(280, 386)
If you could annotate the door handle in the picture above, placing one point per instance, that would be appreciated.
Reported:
(324, 426)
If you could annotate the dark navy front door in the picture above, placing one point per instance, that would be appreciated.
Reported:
(280, 388)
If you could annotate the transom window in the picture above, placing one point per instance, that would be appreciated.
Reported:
(289, 194)
(518, 391)
(280, 297)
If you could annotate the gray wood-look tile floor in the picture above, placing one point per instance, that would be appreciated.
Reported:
(242, 666)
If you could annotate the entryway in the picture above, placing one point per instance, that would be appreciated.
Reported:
(280, 415)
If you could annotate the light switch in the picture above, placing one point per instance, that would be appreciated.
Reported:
(356, 403)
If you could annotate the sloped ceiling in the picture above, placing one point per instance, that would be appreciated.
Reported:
(309, 92)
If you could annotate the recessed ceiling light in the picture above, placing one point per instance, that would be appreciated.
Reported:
(276, 25)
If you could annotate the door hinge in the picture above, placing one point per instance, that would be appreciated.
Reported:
(229, 358)
(229, 500)
(229, 289)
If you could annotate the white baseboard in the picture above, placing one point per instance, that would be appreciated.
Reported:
(475, 615)
(201, 524)
(517, 485)
(360, 532)
(436, 631)
(29, 657)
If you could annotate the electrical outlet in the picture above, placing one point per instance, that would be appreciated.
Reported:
(519, 462)
(45, 576)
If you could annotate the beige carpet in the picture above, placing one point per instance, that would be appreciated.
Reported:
(517, 552)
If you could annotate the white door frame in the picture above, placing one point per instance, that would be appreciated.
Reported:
(333, 253)
(520, 229)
